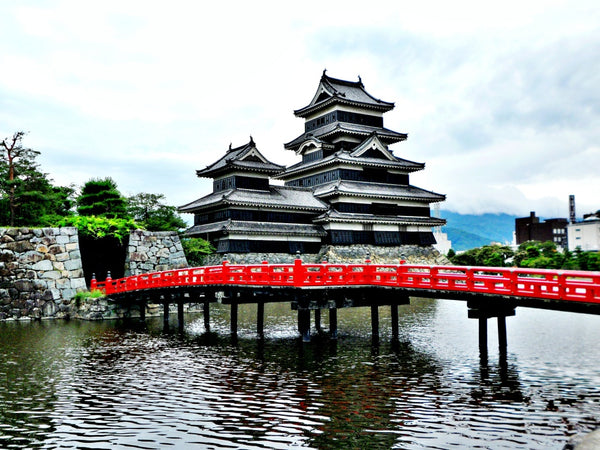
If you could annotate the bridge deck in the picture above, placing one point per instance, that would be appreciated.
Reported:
(325, 285)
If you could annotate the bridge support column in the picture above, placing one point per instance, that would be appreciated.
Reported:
(180, 315)
(206, 313)
(260, 319)
(318, 320)
(166, 315)
(304, 324)
(483, 336)
(394, 314)
(333, 323)
(502, 341)
(143, 311)
(375, 323)
(234, 318)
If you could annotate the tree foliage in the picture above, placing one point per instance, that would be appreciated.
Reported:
(531, 254)
(100, 227)
(100, 197)
(150, 211)
(196, 250)
(488, 255)
(27, 194)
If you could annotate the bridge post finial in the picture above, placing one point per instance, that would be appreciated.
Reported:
(368, 258)
(108, 277)
(93, 283)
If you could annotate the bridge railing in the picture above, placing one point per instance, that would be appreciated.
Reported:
(520, 282)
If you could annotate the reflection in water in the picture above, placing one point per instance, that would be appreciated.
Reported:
(107, 385)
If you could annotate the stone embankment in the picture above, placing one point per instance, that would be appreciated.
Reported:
(337, 254)
(40, 272)
(154, 251)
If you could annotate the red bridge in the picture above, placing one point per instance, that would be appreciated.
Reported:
(489, 291)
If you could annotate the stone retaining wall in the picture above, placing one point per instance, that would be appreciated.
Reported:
(342, 254)
(40, 272)
(154, 251)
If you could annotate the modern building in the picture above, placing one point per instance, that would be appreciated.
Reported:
(531, 229)
(349, 188)
(585, 234)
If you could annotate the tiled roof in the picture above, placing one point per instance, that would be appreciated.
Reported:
(334, 90)
(345, 157)
(280, 197)
(376, 190)
(235, 159)
(386, 135)
(266, 228)
(336, 216)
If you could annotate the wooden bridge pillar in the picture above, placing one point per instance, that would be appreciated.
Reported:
(501, 312)
(180, 315)
(166, 315)
(502, 341)
(333, 323)
(143, 311)
(206, 313)
(375, 323)
(318, 320)
(234, 318)
(304, 324)
(394, 314)
(260, 319)
(483, 336)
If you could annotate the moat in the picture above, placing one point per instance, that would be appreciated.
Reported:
(115, 384)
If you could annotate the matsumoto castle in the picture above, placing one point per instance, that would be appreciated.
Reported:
(349, 189)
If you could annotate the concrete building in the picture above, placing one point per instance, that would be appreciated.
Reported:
(531, 229)
(585, 234)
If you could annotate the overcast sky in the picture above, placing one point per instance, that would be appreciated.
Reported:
(500, 100)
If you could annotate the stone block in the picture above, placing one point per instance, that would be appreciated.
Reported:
(42, 265)
(72, 264)
(6, 238)
(51, 274)
(55, 249)
(61, 239)
(71, 246)
(62, 257)
(78, 283)
(30, 257)
(77, 273)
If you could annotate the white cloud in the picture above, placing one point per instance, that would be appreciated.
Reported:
(499, 100)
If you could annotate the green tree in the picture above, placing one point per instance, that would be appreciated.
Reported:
(100, 197)
(196, 250)
(488, 255)
(150, 211)
(27, 194)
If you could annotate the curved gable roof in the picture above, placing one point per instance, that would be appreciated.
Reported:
(334, 90)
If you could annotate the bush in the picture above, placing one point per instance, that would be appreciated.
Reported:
(196, 250)
(100, 227)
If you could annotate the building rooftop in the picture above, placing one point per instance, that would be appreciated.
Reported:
(278, 197)
(259, 228)
(333, 90)
(336, 216)
(336, 128)
(346, 158)
(376, 190)
(244, 158)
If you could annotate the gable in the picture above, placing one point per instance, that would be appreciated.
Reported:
(373, 148)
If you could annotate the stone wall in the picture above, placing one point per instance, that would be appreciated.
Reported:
(40, 272)
(343, 254)
(154, 251)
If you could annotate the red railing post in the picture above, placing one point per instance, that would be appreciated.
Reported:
(225, 271)
(93, 283)
(299, 272)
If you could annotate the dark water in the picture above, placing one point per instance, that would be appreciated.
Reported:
(115, 385)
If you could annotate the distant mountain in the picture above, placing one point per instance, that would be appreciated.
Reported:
(469, 230)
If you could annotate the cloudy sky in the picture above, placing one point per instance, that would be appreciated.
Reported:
(501, 101)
